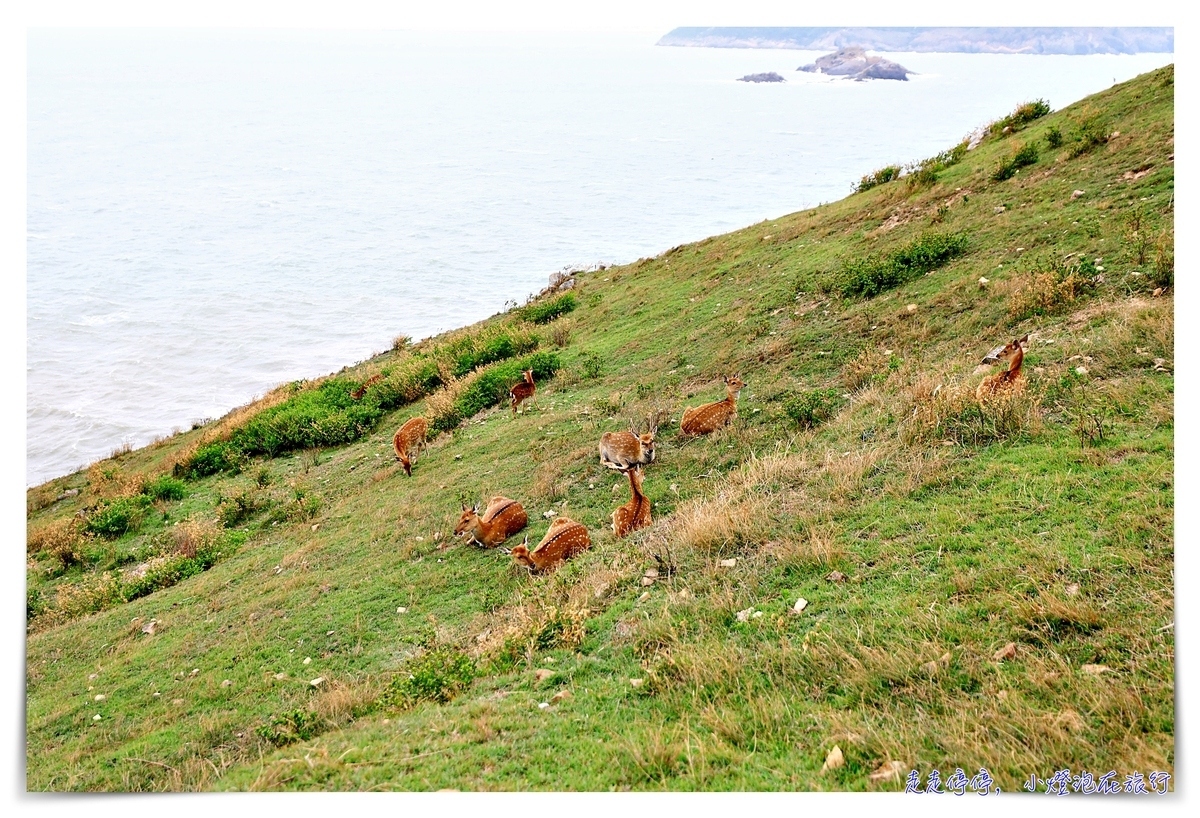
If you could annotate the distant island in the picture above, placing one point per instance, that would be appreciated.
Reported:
(854, 62)
(973, 39)
(770, 76)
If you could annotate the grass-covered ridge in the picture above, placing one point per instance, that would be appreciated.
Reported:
(986, 587)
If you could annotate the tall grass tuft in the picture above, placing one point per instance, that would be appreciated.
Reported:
(872, 275)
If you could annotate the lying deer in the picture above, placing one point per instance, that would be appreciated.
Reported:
(703, 420)
(409, 440)
(522, 391)
(622, 450)
(357, 394)
(565, 539)
(1008, 383)
(502, 519)
(636, 513)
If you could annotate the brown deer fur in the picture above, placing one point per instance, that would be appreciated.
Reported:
(502, 519)
(409, 440)
(1008, 383)
(622, 450)
(636, 513)
(703, 420)
(522, 391)
(357, 394)
(565, 539)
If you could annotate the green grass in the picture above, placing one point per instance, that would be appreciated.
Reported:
(345, 640)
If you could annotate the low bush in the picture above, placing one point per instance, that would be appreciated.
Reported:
(61, 539)
(437, 676)
(813, 407)
(1089, 131)
(211, 459)
(874, 274)
(232, 511)
(951, 413)
(165, 487)
(1021, 116)
(115, 518)
(547, 311)
(926, 172)
(1051, 287)
(1026, 155)
(1054, 137)
(879, 177)
(171, 569)
(290, 727)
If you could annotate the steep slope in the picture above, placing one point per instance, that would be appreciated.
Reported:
(986, 587)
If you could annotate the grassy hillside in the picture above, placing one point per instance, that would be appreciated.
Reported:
(267, 602)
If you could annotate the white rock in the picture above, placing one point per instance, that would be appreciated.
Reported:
(100, 697)
(317, 682)
(800, 605)
(308, 660)
(729, 563)
(742, 616)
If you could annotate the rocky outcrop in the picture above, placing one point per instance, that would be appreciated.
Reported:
(770, 76)
(856, 63)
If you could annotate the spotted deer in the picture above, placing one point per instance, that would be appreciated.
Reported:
(636, 513)
(703, 420)
(521, 391)
(1008, 383)
(565, 539)
(622, 450)
(409, 440)
(502, 518)
(357, 394)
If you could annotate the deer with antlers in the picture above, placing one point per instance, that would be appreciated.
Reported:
(409, 440)
(623, 450)
(703, 420)
(521, 391)
(636, 513)
(565, 539)
(502, 518)
(1008, 383)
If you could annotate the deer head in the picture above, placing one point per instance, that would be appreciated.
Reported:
(1005, 352)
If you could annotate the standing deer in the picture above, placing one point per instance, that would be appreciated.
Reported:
(410, 440)
(565, 539)
(636, 513)
(1008, 383)
(502, 519)
(703, 420)
(622, 450)
(521, 391)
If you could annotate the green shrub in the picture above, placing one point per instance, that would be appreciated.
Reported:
(1051, 286)
(165, 487)
(117, 517)
(211, 459)
(1020, 117)
(1026, 155)
(813, 407)
(1054, 137)
(436, 676)
(1088, 132)
(926, 172)
(546, 312)
(236, 509)
(874, 274)
(290, 727)
(593, 365)
(879, 177)
(171, 569)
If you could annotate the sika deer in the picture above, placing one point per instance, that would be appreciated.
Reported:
(521, 391)
(622, 450)
(636, 513)
(565, 539)
(502, 519)
(1003, 384)
(703, 420)
(410, 440)
(357, 394)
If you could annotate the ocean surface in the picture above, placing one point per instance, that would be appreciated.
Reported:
(211, 213)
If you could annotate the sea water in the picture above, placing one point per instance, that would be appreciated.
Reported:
(212, 213)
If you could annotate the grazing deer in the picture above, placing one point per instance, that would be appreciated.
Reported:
(357, 394)
(565, 539)
(521, 391)
(1008, 383)
(409, 440)
(622, 450)
(502, 519)
(636, 513)
(703, 420)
